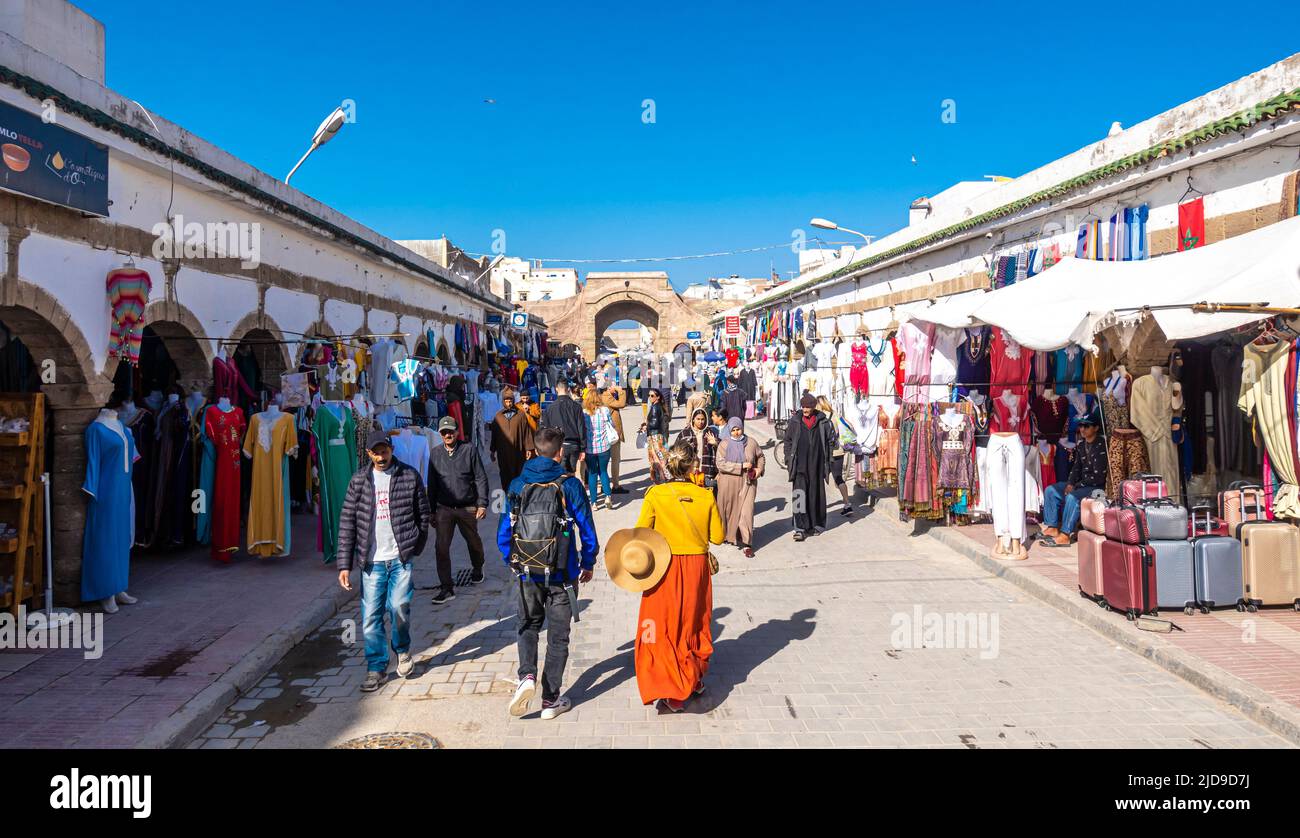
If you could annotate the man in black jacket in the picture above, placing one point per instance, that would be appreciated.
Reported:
(809, 441)
(566, 414)
(459, 489)
(384, 524)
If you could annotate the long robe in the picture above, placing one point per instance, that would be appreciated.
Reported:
(268, 445)
(1151, 410)
(736, 495)
(807, 457)
(226, 430)
(106, 546)
(512, 439)
(336, 450)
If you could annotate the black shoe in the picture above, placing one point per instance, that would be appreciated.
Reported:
(847, 512)
(444, 596)
(619, 491)
(798, 536)
(476, 577)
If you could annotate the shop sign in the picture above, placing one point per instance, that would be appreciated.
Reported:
(519, 320)
(493, 320)
(44, 161)
(733, 325)
(693, 336)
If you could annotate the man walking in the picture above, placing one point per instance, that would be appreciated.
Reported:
(549, 515)
(384, 524)
(566, 414)
(615, 398)
(459, 488)
(809, 440)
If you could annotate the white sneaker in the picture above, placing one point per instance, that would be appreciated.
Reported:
(109, 605)
(523, 696)
(561, 705)
(126, 599)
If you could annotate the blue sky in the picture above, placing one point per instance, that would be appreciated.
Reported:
(766, 114)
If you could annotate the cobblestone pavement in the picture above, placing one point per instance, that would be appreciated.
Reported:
(827, 643)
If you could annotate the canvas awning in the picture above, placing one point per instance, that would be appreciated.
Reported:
(1077, 298)
(953, 311)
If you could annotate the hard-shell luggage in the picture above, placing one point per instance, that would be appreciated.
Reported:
(1090, 564)
(1175, 577)
(1204, 522)
(1270, 561)
(1241, 501)
(1164, 519)
(1143, 486)
(1126, 523)
(1128, 578)
(1092, 515)
(1216, 560)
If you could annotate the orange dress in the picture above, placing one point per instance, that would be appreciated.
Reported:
(674, 638)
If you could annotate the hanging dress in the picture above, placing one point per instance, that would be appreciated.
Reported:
(106, 544)
(269, 444)
(226, 430)
(336, 449)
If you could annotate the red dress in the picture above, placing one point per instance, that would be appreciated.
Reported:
(1009, 363)
(226, 430)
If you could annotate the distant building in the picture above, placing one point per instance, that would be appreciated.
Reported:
(520, 281)
(731, 287)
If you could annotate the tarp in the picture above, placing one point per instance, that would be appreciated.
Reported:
(1075, 299)
(953, 311)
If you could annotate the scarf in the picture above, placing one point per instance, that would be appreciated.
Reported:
(735, 448)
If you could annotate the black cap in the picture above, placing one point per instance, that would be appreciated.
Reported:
(375, 438)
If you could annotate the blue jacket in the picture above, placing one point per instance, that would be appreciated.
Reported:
(546, 470)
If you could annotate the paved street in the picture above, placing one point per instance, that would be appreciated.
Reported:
(818, 644)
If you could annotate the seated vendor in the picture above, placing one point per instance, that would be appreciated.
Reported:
(1087, 475)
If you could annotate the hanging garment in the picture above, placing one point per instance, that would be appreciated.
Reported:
(226, 430)
(1151, 409)
(916, 339)
(1268, 396)
(1126, 456)
(106, 543)
(337, 456)
(1010, 414)
(1069, 369)
(170, 472)
(955, 440)
(1191, 224)
(1005, 488)
(269, 444)
(294, 390)
(1010, 364)
(207, 453)
(228, 382)
(413, 450)
(943, 362)
(128, 296)
(1233, 442)
(330, 380)
(973, 362)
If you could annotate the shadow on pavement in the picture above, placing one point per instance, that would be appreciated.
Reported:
(733, 660)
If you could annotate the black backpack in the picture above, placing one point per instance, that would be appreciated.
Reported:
(540, 528)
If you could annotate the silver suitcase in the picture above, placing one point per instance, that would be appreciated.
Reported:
(1165, 519)
(1175, 576)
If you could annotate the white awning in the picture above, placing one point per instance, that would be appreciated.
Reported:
(1075, 299)
(953, 311)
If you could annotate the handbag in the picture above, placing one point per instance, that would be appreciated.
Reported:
(640, 439)
(714, 567)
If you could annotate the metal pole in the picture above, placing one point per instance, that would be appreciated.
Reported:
(49, 553)
(299, 163)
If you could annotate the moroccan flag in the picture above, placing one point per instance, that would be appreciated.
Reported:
(1191, 224)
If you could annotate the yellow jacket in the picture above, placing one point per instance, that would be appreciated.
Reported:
(663, 509)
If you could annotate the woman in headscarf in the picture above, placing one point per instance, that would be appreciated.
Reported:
(674, 638)
(512, 438)
(703, 440)
(740, 464)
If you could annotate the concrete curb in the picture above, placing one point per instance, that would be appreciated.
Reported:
(201, 711)
(1256, 704)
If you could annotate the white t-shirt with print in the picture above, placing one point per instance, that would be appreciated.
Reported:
(385, 543)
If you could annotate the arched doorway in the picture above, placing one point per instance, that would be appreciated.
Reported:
(629, 315)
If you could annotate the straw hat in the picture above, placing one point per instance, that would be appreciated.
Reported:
(636, 559)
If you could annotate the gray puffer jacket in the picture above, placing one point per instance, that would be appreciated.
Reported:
(408, 510)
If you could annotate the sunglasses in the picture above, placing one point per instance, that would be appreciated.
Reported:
(447, 433)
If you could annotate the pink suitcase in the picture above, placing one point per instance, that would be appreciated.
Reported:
(1126, 524)
(1092, 515)
(1242, 501)
(1143, 486)
(1090, 564)
(1128, 578)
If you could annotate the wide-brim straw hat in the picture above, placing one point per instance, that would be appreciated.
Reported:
(636, 559)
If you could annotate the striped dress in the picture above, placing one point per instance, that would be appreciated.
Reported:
(128, 294)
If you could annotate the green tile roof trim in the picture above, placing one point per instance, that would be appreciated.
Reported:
(41, 91)
(1237, 122)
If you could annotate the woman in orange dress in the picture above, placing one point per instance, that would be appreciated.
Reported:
(674, 636)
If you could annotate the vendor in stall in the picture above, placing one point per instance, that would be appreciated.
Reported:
(1087, 475)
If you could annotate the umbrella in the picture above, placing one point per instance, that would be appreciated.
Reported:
(714, 356)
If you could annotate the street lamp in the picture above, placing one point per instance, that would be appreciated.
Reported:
(324, 134)
(831, 225)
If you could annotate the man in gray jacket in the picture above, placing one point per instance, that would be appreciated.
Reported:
(384, 524)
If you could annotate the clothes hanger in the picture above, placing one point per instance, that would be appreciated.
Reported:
(1190, 190)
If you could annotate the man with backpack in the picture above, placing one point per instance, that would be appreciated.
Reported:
(548, 539)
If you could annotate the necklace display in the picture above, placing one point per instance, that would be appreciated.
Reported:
(877, 355)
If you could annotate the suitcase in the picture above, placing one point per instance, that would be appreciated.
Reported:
(1090, 564)
(1128, 578)
(1242, 501)
(1270, 562)
(1092, 515)
(1126, 523)
(1143, 486)
(1216, 561)
(1175, 578)
(1164, 520)
(1204, 522)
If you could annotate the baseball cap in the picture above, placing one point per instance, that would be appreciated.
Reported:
(375, 437)
(448, 423)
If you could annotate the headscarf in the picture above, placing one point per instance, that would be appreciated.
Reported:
(734, 452)
(699, 433)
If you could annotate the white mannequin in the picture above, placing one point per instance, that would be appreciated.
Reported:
(362, 404)
(221, 353)
(272, 412)
(173, 398)
(1006, 546)
(127, 411)
(1158, 373)
(223, 404)
(110, 419)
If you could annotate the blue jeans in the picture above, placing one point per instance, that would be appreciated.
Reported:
(386, 586)
(1066, 521)
(597, 468)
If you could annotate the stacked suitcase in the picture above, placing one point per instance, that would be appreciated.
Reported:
(1270, 550)
(1128, 560)
(1092, 533)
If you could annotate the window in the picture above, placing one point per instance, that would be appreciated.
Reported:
(523, 296)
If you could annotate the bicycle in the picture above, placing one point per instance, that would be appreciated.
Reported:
(778, 429)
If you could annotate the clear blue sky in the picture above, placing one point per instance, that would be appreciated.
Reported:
(766, 113)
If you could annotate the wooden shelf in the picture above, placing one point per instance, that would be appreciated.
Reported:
(21, 492)
(12, 492)
(16, 440)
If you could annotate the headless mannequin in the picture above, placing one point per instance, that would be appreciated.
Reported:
(1006, 546)
(223, 404)
(221, 353)
(127, 412)
(110, 418)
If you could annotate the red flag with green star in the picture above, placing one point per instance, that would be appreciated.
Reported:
(1191, 224)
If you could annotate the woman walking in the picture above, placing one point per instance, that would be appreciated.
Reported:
(656, 431)
(837, 454)
(740, 464)
(601, 436)
(703, 441)
(674, 638)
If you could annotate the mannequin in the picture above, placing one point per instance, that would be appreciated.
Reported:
(223, 404)
(221, 353)
(106, 548)
(1006, 486)
(1151, 412)
(271, 439)
(127, 411)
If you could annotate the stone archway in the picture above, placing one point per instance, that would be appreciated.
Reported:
(637, 310)
(73, 398)
(275, 356)
(183, 335)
